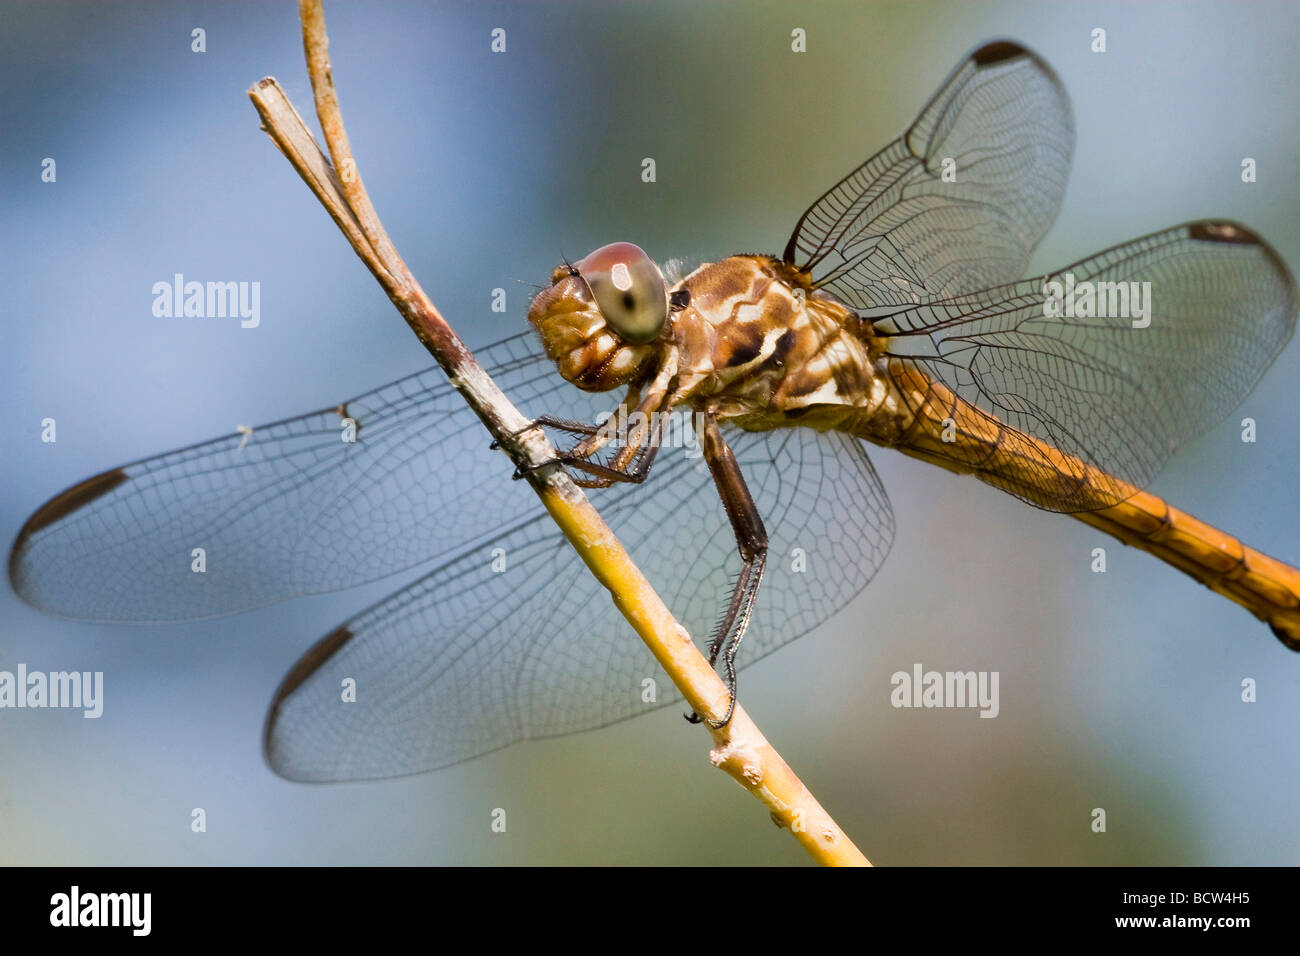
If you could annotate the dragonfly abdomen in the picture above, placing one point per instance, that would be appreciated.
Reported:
(929, 421)
(1266, 587)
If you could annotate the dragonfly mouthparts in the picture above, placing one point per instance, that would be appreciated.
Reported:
(580, 341)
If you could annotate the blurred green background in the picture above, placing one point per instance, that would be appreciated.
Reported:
(1119, 691)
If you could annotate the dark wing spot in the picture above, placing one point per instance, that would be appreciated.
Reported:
(308, 664)
(1222, 232)
(66, 502)
(997, 52)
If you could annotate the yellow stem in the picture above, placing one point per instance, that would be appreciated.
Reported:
(738, 748)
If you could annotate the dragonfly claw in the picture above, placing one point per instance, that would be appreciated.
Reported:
(496, 443)
(694, 718)
(523, 470)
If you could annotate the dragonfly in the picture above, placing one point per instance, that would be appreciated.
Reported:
(897, 316)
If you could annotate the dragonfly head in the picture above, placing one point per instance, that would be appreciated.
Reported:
(601, 316)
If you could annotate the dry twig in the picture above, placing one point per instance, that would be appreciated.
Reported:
(739, 748)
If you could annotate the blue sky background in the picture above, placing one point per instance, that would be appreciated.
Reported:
(1117, 690)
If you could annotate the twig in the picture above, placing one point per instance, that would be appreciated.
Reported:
(739, 748)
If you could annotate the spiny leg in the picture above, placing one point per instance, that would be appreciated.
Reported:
(563, 424)
(742, 624)
(635, 469)
(573, 426)
(751, 541)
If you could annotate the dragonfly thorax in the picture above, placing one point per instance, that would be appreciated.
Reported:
(762, 348)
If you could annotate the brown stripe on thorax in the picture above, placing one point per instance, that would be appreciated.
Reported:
(774, 346)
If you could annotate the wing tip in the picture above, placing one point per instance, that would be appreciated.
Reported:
(1224, 231)
(62, 505)
(1228, 232)
(72, 499)
(306, 665)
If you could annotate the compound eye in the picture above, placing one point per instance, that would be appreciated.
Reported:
(629, 288)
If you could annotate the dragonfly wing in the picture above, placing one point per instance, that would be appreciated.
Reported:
(1111, 391)
(957, 203)
(290, 508)
(478, 655)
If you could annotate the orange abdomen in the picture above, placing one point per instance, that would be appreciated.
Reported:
(938, 426)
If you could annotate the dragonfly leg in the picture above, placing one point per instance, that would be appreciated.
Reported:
(571, 425)
(634, 468)
(563, 424)
(751, 541)
(632, 464)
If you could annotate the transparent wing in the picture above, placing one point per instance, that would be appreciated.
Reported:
(291, 508)
(1114, 396)
(478, 655)
(958, 203)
